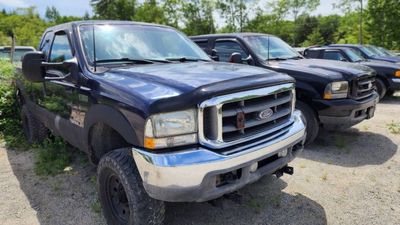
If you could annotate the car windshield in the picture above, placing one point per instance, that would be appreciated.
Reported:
(367, 51)
(272, 48)
(385, 51)
(119, 43)
(17, 54)
(375, 50)
(353, 55)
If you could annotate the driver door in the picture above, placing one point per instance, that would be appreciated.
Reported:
(60, 95)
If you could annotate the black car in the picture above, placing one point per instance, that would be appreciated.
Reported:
(388, 74)
(330, 94)
(159, 117)
(369, 53)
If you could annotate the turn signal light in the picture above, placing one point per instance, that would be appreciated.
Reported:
(397, 73)
(149, 143)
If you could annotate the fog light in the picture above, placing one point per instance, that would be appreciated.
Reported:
(282, 153)
(253, 167)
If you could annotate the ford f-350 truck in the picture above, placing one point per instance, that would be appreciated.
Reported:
(159, 117)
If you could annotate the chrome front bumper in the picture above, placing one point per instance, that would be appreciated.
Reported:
(191, 175)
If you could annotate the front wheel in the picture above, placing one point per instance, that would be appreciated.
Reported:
(122, 196)
(380, 88)
(34, 130)
(312, 123)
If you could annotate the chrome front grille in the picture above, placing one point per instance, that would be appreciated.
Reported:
(235, 118)
(364, 87)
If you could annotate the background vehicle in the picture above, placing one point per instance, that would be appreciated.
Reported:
(388, 74)
(331, 94)
(163, 122)
(5, 52)
(367, 53)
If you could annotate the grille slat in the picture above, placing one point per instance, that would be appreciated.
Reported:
(364, 87)
(254, 122)
(246, 115)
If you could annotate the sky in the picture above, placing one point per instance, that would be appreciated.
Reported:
(79, 7)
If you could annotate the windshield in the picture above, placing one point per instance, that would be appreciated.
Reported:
(375, 50)
(17, 54)
(367, 51)
(274, 48)
(353, 55)
(115, 42)
(385, 51)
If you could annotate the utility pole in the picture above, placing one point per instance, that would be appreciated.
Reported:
(361, 23)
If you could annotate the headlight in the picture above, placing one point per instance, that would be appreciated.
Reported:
(336, 90)
(171, 129)
(397, 73)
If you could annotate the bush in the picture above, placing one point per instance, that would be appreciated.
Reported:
(52, 157)
(10, 126)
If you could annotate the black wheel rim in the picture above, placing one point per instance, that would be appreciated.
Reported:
(116, 198)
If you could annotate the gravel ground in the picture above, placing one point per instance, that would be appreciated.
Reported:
(350, 177)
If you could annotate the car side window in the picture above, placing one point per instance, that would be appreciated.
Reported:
(45, 45)
(61, 50)
(226, 48)
(334, 55)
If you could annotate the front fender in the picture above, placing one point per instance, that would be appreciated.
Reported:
(111, 117)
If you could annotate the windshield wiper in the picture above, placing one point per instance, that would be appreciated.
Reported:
(278, 58)
(125, 60)
(295, 57)
(185, 59)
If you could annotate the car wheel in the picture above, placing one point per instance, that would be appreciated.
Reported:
(380, 88)
(122, 196)
(312, 123)
(34, 130)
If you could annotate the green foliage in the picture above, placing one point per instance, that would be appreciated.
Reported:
(150, 11)
(394, 127)
(115, 9)
(293, 7)
(384, 22)
(52, 157)
(198, 17)
(235, 13)
(10, 127)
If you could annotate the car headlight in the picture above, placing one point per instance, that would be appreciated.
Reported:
(335, 90)
(171, 129)
(397, 73)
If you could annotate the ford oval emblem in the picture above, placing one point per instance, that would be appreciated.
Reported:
(265, 114)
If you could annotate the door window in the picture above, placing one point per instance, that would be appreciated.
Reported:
(334, 55)
(226, 48)
(61, 50)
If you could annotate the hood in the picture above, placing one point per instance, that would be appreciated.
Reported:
(178, 84)
(392, 59)
(381, 64)
(329, 69)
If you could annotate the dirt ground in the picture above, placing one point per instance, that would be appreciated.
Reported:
(350, 177)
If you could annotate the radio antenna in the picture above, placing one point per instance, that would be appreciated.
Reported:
(94, 49)
(268, 49)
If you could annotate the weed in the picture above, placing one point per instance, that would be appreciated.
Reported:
(340, 141)
(10, 127)
(93, 179)
(324, 176)
(255, 204)
(52, 157)
(394, 127)
(96, 207)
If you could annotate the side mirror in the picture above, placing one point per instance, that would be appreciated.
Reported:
(343, 60)
(236, 58)
(32, 66)
(214, 55)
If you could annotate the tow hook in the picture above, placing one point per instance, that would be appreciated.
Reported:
(287, 169)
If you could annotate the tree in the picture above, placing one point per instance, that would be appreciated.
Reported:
(315, 38)
(149, 11)
(114, 9)
(86, 16)
(383, 22)
(172, 11)
(349, 6)
(304, 26)
(198, 17)
(293, 7)
(235, 12)
(52, 14)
